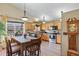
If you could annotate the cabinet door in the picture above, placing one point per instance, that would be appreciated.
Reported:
(72, 42)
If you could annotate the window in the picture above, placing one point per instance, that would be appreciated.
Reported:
(15, 28)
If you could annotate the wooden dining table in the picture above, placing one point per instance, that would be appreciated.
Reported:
(23, 42)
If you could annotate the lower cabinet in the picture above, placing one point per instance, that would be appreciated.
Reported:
(45, 37)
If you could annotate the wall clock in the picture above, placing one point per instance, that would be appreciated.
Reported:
(72, 28)
(72, 32)
(72, 24)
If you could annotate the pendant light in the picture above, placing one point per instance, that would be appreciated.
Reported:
(24, 18)
(43, 20)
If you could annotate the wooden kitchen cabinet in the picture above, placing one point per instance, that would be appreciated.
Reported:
(45, 37)
(58, 39)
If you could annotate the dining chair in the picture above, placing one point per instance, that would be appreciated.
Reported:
(34, 48)
(13, 43)
(11, 50)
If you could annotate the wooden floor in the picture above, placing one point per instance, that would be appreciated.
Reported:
(47, 49)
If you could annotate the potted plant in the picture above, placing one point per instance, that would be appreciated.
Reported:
(2, 30)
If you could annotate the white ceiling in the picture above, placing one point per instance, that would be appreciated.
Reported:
(50, 10)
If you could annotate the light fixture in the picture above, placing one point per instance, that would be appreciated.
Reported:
(36, 19)
(43, 20)
(24, 18)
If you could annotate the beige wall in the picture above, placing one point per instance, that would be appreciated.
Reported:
(65, 16)
(10, 10)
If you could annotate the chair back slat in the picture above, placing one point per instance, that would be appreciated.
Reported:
(34, 47)
(8, 46)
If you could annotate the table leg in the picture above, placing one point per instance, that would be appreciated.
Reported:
(21, 53)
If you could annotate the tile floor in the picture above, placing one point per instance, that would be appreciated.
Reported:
(50, 49)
